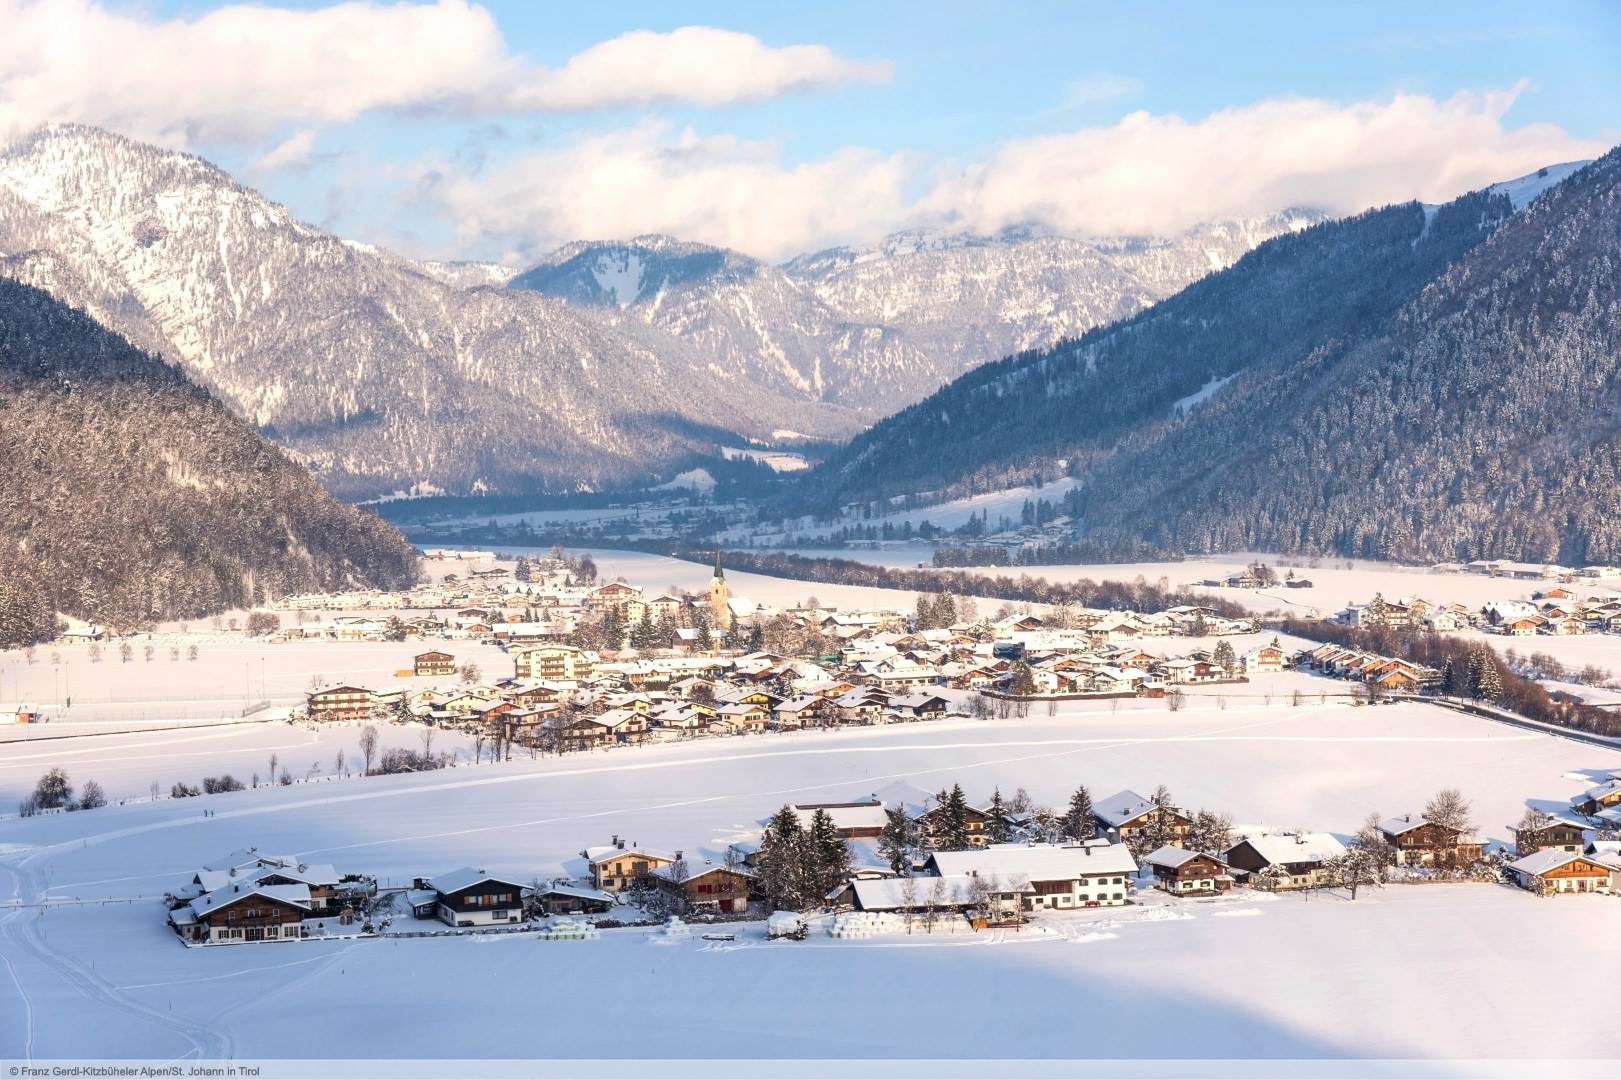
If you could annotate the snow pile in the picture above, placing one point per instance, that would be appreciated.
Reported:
(1088, 938)
(1238, 912)
(569, 930)
(674, 932)
(785, 924)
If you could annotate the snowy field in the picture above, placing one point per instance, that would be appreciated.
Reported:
(227, 676)
(98, 974)
(1334, 586)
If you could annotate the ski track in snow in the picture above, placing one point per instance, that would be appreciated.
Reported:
(21, 934)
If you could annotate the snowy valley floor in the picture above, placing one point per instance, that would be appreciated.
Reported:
(1452, 972)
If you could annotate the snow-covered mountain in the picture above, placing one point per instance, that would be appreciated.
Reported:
(877, 328)
(372, 368)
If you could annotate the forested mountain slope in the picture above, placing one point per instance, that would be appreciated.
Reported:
(1483, 420)
(129, 495)
(1413, 382)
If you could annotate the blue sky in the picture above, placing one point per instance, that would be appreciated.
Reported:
(501, 130)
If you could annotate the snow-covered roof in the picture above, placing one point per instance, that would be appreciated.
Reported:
(1544, 861)
(1297, 848)
(245, 857)
(955, 890)
(460, 879)
(1395, 826)
(1172, 857)
(297, 895)
(864, 816)
(1600, 791)
(595, 855)
(1121, 807)
(1038, 862)
(577, 893)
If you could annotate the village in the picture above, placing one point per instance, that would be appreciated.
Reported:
(601, 666)
(903, 860)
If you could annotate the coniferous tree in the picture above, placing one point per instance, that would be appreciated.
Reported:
(1079, 824)
(996, 828)
(900, 840)
(782, 861)
(952, 834)
(827, 858)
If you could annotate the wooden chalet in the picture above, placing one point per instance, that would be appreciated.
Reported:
(1554, 871)
(1188, 873)
(616, 866)
(1598, 798)
(1289, 861)
(242, 913)
(1415, 842)
(1556, 834)
(1126, 816)
(469, 897)
(561, 898)
(703, 887)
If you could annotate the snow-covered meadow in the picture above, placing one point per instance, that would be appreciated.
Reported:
(98, 974)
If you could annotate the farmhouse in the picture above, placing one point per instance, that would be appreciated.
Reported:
(1298, 861)
(616, 867)
(1416, 842)
(1555, 871)
(1555, 833)
(243, 913)
(1125, 816)
(1598, 798)
(1060, 876)
(1182, 872)
(563, 899)
(702, 887)
(469, 897)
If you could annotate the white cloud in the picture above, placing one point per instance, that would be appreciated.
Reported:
(1157, 174)
(246, 71)
(697, 64)
(649, 178)
(1145, 174)
(294, 153)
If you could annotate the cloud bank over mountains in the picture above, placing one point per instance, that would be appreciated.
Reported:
(275, 83)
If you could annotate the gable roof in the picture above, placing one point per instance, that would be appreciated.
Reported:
(457, 880)
(297, 895)
(1121, 807)
(1295, 848)
(1173, 858)
(1546, 860)
(1038, 862)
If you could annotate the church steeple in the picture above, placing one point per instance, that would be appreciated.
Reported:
(719, 607)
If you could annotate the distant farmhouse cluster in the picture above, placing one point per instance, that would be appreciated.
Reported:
(904, 858)
(1558, 611)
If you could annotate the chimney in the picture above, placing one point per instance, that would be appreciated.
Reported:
(616, 842)
(678, 854)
